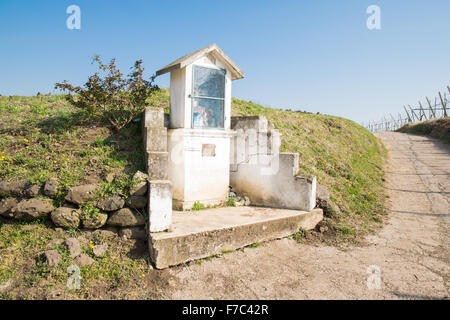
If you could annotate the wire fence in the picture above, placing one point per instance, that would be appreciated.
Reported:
(439, 108)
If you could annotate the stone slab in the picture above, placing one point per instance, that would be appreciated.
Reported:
(159, 205)
(157, 165)
(199, 234)
(155, 139)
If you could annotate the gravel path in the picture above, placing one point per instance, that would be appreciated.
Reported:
(410, 254)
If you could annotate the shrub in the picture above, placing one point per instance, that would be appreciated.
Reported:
(111, 96)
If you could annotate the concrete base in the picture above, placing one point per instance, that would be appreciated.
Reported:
(199, 234)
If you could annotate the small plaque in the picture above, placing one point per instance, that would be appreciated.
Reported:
(208, 150)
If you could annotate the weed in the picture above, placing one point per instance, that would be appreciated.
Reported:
(198, 206)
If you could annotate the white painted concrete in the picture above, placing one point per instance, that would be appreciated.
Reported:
(261, 172)
(197, 176)
(159, 205)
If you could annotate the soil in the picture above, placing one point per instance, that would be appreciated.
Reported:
(411, 253)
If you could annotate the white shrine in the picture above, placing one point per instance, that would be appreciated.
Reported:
(198, 139)
(200, 151)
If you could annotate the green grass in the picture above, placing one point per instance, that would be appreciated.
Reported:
(43, 137)
(438, 128)
(23, 263)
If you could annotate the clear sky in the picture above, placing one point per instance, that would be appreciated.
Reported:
(317, 55)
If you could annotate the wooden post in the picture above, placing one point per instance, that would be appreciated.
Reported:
(431, 108)
(423, 111)
(412, 110)
(407, 114)
(386, 124)
(395, 122)
(443, 104)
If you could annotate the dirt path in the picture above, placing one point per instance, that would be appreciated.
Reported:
(411, 252)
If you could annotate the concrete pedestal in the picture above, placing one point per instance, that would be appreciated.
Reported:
(199, 166)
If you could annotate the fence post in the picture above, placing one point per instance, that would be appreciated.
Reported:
(423, 111)
(412, 110)
(395, 122)
(407, 114)
(443, 105)
(432, 111)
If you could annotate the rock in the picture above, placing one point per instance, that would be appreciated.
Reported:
(109, 177)
(5, 286)
(322, 197)
(28, 227)
(140, 186)
(126, 218)
(232, 194)
(51, 187)
(108, 232)
(83, 260)
(240, 202)
(13, 189)
(83, 240)
(6, 206)
(137, 202)
(99, 250)
(32, 191)
(247, 201)
(66, 217)
(323, 201)
(54, 242)
(74, 247)
(32, 209)
(133, 233)
(111, 204)
(94, 222)
(53, 257)
(81, 194)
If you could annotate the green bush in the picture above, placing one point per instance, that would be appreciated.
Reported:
(111, 96)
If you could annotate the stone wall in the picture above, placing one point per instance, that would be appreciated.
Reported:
(258, 170)
(83, 206)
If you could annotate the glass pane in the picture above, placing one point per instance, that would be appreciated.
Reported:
(209, 82)
(208, 113)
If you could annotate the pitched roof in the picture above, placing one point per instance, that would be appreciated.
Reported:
(236, 72)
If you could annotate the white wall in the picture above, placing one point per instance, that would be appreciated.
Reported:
(177, 98)
(196, 177)
(261, 172)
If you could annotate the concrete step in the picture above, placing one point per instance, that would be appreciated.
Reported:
(199, 234)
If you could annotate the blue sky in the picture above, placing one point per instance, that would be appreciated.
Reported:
(317, 56)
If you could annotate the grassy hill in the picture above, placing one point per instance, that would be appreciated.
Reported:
(437, 128)
(43, 136)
